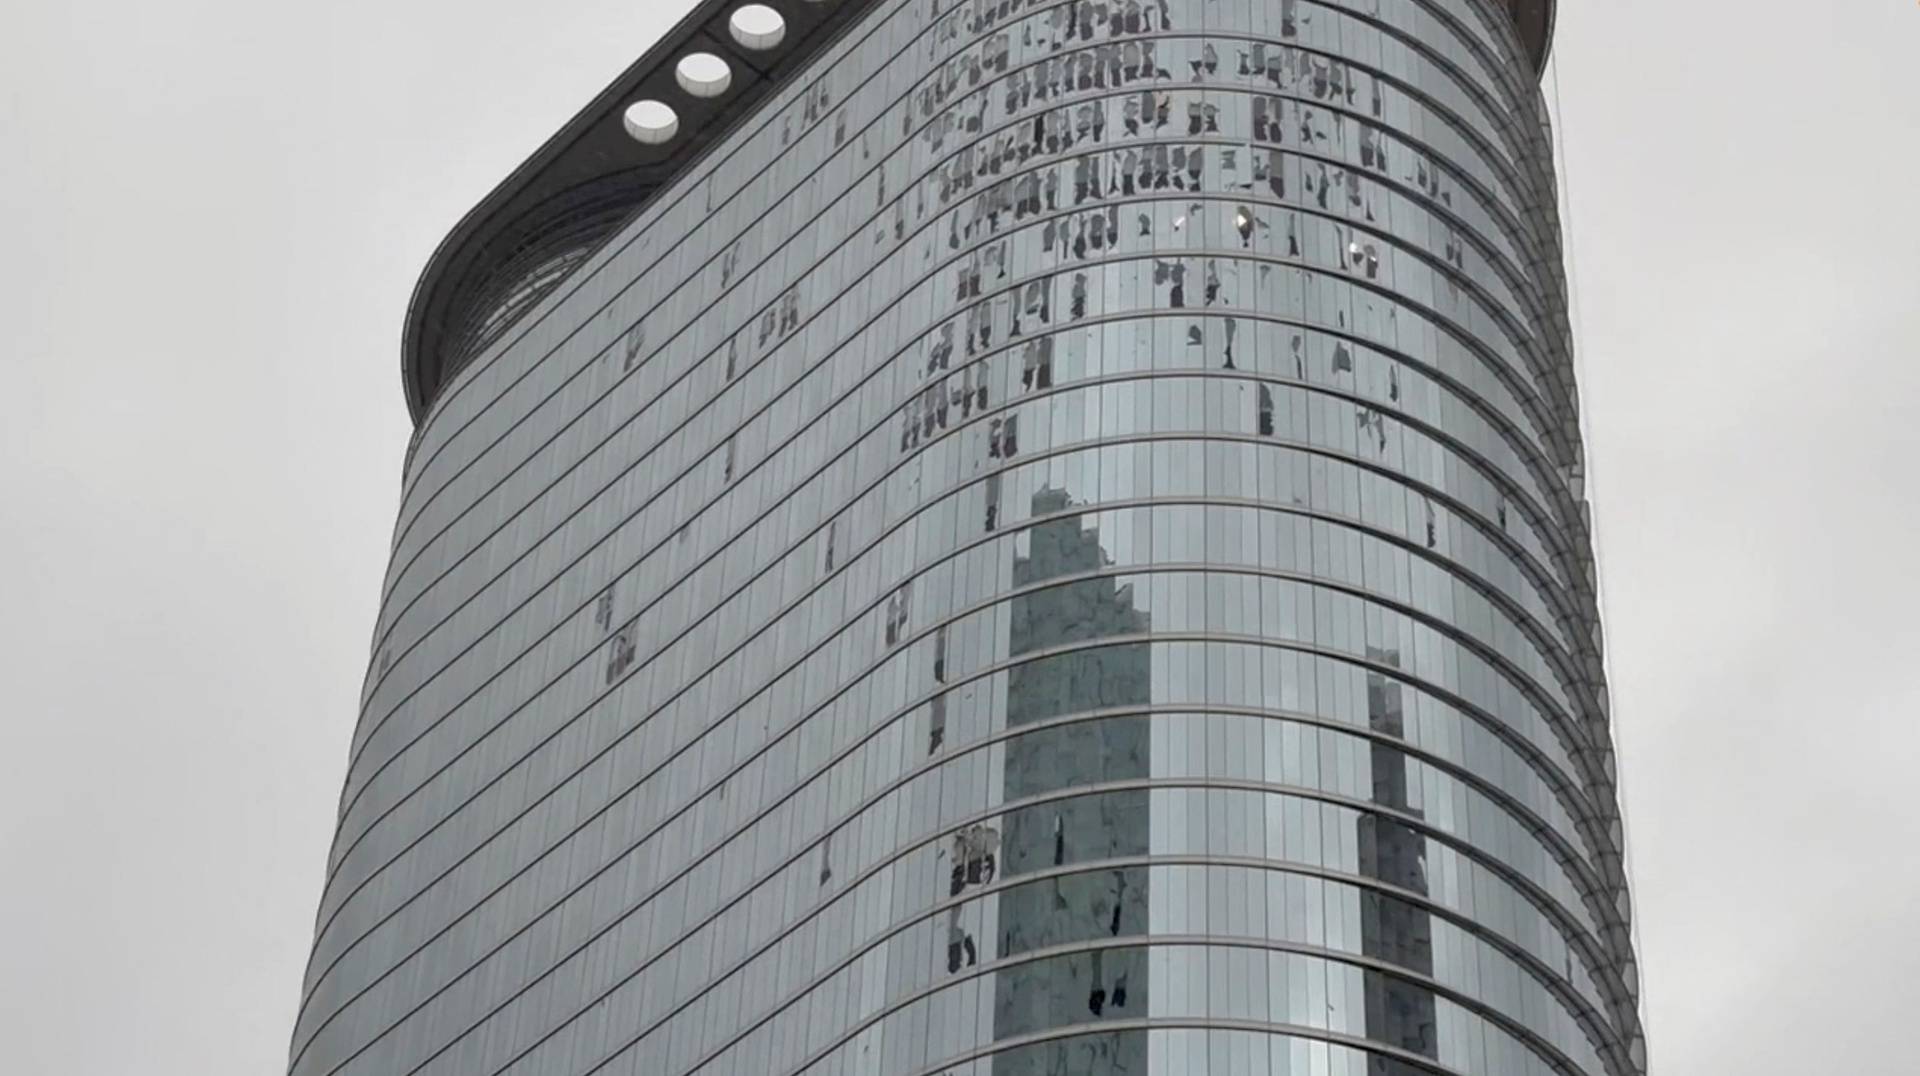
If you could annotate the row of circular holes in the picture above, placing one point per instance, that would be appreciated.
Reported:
(702, 74)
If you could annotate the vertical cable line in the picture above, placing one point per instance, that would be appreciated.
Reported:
(1594, 529)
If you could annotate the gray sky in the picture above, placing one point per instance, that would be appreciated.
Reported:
(212, 212)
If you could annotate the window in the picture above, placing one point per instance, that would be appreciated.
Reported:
(937, 724)
(899, 610)
(636, 339)
(975, 858)
(1003, 437)
(620, 651)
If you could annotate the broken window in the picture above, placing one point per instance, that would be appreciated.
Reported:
(1356, 194)
(1099, 996)
(937, 724)
(1243, 223)
(993, 501)
(817, 99)
(726, 472)
(1370, 421)
(973, 389)
(1036, 363)
(620, 650)
(1266, 411)
(636, 339)
(910, 423)
(603, 610)
(1274, 172)
(833, 535)
(975, 858)
(940, 354)
(899, 608)
(933, 409)
(961, 952)
(940, 655)
(1174, 274)
(1003, 437)
(1342, 358)
(979, 327)
(1372, 153)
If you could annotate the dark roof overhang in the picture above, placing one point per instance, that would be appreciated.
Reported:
(1534, 20)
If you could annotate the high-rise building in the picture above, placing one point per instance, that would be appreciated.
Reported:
(997, 538)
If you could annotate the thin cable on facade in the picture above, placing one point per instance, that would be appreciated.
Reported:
(1592, 498)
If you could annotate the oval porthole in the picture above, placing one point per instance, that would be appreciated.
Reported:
(757, 26)
(651, 122)
(703, 74)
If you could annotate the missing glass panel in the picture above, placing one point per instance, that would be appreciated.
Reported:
(937, 724)
(620, 650)
(975, 856)
(635, 341)
(899, 611)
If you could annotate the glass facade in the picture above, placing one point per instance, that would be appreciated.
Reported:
(1057, 546)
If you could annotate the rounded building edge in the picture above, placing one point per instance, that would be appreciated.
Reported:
(587, 180)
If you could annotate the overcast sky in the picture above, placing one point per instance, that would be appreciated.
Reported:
(212, 213)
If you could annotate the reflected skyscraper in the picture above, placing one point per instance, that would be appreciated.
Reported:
(997, 538)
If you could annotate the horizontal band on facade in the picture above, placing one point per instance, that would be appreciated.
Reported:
(1546, 1050)
(1438, 497)
(1543, 901)
(1387, 602)
(1575, 937)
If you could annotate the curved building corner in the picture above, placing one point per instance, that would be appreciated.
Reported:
(1025, 538)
